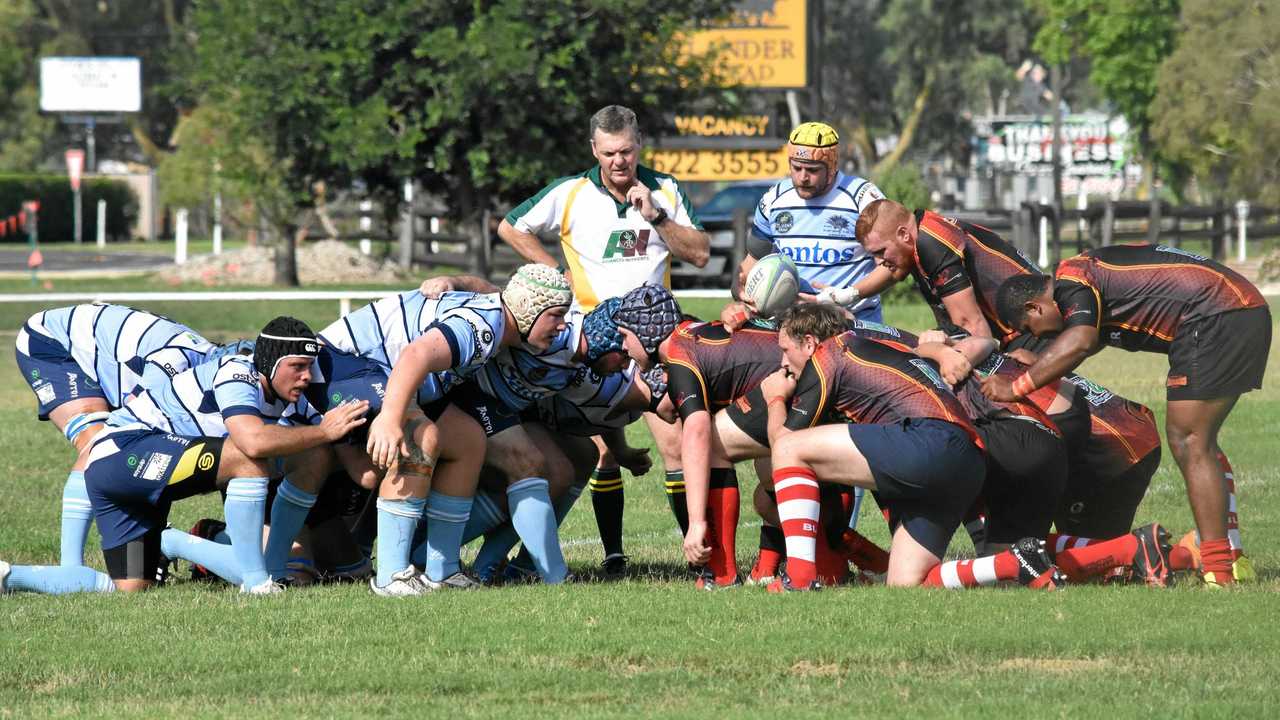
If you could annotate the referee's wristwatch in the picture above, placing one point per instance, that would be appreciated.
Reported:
(660, 218)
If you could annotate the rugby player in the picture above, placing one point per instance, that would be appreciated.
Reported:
(83, 361)
(958, 266)
(906, 437)
(214, 426)
(1213, 324)
(810, 216)
(430, 347)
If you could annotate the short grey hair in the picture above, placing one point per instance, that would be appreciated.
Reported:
(613, 119)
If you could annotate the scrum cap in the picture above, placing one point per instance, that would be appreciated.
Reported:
(817, 142)
(533, 290)
(283, 338)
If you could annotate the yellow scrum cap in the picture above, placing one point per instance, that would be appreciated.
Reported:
(815, 141)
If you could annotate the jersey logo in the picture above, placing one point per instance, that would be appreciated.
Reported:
(838, 225)
(1095, 394)
(1076, 310)
(927, 370)
(1179, 251)
(876, 327)
(990, 365)
(783, 222)
(626, 243)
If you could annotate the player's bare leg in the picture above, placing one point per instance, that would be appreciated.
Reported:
(1191, 427)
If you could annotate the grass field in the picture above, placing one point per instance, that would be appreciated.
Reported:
(649, 646)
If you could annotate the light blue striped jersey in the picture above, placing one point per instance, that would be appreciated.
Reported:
(121, 347)
(590, 404)
(472, 323)
(818, 233)
(518, 376)
(198, 401)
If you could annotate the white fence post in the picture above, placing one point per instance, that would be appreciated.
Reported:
(217, 223)
(1242, 229)
(180, 238)
(1043, 260)
(102, 224)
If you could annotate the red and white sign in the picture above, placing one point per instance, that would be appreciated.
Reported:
(75, 166)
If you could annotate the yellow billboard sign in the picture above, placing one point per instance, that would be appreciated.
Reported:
(715, 165)
(763, 42)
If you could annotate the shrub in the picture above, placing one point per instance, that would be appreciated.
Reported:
(57, 205)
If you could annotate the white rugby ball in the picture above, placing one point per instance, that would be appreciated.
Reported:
(772, 285)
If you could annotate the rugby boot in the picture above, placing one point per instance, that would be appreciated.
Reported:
(457, 581)
(707, 581)
(1035, 569)
(206, 528)
(1242, 570)
(405, 583)
(783, 585)
(614, 567)
(762, 573)
(1151, 559)
(266, 587)
(4, 576)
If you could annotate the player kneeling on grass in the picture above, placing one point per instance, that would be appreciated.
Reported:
(214, 426)
(84, 361)
(906, 438)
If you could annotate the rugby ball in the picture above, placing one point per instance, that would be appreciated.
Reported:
(772, 285)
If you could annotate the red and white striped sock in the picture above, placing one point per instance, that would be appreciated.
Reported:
(1096, 557)
(987, 570)
(1055, 543)
(1233, 519)
(797, 490)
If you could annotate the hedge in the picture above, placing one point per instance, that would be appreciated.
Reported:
(57, 206)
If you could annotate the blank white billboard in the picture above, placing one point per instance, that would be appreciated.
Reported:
(90, 84)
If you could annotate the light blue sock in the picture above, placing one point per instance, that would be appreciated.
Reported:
(447, 517)
(534, 519)
(57, 580)
(217, 558)
(288, 513)
(77, 516)
(486, 515)
(563, 505)
(397, 521)
(245, 507)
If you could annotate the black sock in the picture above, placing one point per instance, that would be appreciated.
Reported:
(675, 498)
(607, 500)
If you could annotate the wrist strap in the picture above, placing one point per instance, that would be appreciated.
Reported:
(1024, 385)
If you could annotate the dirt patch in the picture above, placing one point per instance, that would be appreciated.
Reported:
(319, 263)
(1061, 666)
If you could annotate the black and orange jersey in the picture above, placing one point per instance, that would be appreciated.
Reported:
(708, 367)
(1137, 296)
(853, 379)
(1121, 431)
(952, 255)
(968, 392)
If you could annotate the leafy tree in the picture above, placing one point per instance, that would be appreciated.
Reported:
(1218, 105)
(481, 102)
(923, 68)
(1125, 43)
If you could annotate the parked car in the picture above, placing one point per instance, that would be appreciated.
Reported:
(745, 195)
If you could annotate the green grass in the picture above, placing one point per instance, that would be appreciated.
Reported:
(650, 646)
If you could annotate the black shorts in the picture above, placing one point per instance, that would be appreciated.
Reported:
(751, 414)
(1026, 476)
(138, 559)
(486, 410)
(927, 474)
(1103, 508)
(1219, 356)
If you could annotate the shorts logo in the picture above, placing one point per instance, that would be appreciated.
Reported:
(627, 244)
(72, 386)
(35, 374)
(156, 465)
(46, 393)
(336, 397)
(783, 222)
(132, 461)
(1176, 381)
(205, 462)
(1077, 508)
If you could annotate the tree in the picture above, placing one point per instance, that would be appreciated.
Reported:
(479, 101)
(1125, 43)
(922, 69)
(1218, 104)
